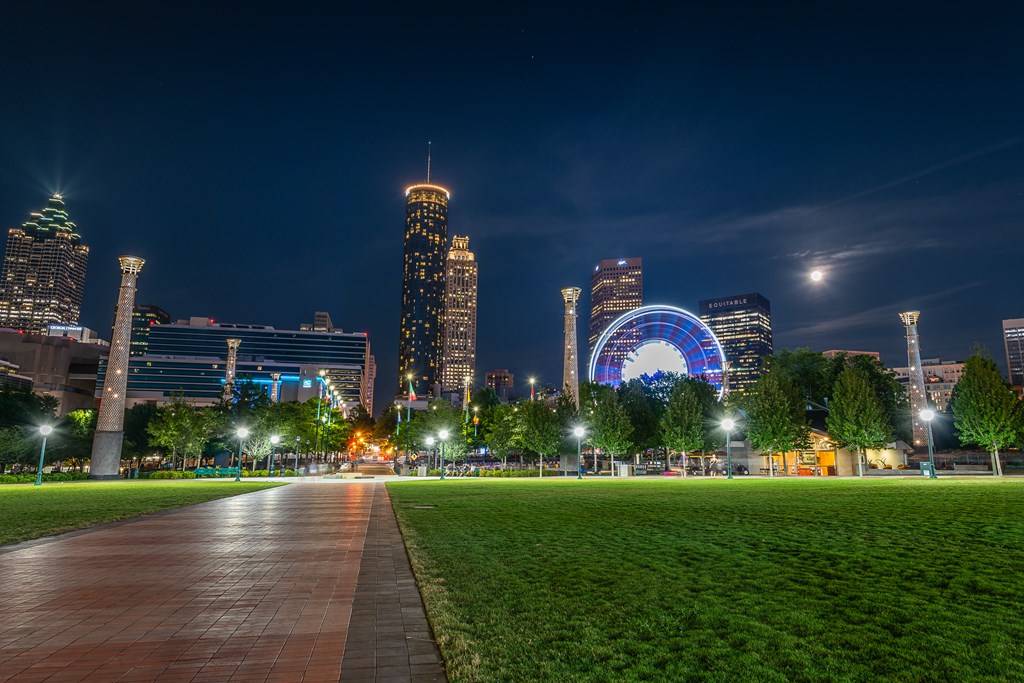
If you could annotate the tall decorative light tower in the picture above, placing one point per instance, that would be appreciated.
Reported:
(918, 398)
(570, 376)
(229, 368)
(275, 387)
(109, 438)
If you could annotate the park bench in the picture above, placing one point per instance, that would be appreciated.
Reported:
(216, 471)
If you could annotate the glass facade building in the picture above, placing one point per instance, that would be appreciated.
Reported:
(144, 316)
(421, 334)
(1013, 340)
(43, 275)
(743, 325)
(189, 357)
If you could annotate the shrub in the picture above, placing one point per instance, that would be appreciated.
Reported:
(169, 474)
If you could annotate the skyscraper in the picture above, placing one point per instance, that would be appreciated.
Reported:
(743, 325)
(616, 287)
(459, 356)
(43, 272)
(1013, 340)
(145, 316)
(421, 341)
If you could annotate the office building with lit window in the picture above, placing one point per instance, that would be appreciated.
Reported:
(743, 326)
(458, 359)
(616, 287)
(188, 358)
(421, 334)
(940, 378)
(43, 275)
(1013, 341)
(144, 316)
(502, 382)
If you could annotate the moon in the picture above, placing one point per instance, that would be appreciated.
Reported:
(816, 275)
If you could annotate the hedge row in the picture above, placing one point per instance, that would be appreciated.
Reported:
(52, 476)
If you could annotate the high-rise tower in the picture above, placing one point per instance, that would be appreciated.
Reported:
(459, 356)
(570, 367)
(743, 325)
(918, 397)
(421, 340)
(109, 437)
(1013, 341)
(616, 287)
(43, 271)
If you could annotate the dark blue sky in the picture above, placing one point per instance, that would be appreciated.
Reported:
(257, 160)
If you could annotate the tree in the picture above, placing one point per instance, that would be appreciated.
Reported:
(986, 412)
(809, 372)
(136, 424)
(542, 430)
(184, 429)
(776, 421)
(15, 447)
(440, 414)
(682, 425)
(20, 407)
(610, 428)
(76, 430)
(504, 433)
(644, 411)
(856, 417)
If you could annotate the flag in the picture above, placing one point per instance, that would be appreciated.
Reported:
(412, 392)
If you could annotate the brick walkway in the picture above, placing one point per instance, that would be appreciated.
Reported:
(255, 588)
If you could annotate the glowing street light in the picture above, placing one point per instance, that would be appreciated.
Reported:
(242, 434)
(274, 440)
(579, 432)
(442, 436)
(533, 380)
(928, 415)
(44, 432)
(728, 424)
(430, 451)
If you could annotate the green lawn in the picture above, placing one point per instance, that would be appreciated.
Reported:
(28, 512)
(749, 580)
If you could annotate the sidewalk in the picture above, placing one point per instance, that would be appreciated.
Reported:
(259, 587)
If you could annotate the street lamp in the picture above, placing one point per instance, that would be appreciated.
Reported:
(533, 380)
(274, 440)
(442, 437)
(430, 452)
(728, 424)
(44, 431)
(928, 415)
(298, 439)
(579, 432)
(242, 433)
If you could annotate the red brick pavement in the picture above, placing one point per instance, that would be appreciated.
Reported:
(254, 588)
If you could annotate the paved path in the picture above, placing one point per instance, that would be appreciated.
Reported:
(259, 587)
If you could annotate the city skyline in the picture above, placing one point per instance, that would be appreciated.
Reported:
(679, 169)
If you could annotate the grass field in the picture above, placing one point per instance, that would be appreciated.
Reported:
(749, 580)
(30, 512)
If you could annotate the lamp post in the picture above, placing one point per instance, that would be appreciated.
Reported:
(928, 415)
(442, 436)
(274, 440)
(430, 452)
(579, 431)
(242, 433)
(298, 440)
(44, 431)
(533, 381)
(728, 424)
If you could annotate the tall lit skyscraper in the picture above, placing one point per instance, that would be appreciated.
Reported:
(743, 325)
(1013, 340)
(459, 356)
(43, 272)
(616, 287)
(421, 340)
(145, 316)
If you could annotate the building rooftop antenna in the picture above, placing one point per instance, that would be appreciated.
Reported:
(428, 161)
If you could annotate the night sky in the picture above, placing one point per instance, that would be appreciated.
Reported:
(258, 160)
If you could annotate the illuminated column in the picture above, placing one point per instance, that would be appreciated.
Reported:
(570, 377)
(918, 398)
(275, 387)
(229, 368)
(109, 438)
